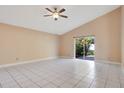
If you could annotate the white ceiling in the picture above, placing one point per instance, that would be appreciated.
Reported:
(32, 17)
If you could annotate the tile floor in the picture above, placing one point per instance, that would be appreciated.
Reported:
(62, 73)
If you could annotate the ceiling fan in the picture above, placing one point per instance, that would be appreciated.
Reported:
(55, 13)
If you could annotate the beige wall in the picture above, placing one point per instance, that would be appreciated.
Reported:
(122, 35)
(107, 32)
(25, 44)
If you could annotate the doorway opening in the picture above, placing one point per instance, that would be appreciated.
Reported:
(85, 48)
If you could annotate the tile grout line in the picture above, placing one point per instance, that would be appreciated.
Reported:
(45, 79)
(120, 80)
(107, 76)
(0, 85)
(91, 83)
(37, 75)
(12, 77)
(78, 82)
(82, 78)
(28, 78)
(34, 73)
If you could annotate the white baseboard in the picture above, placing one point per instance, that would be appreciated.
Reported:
(107, 61)
(50, 58)
(122, 65)
(28, 61)
(96, 60)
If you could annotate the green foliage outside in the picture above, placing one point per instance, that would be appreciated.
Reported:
(82, 46)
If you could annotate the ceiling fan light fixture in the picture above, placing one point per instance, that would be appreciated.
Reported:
(55, 15)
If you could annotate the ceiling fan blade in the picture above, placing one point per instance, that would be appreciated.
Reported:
(62, 10)
(47, 15)
(63, 16)
(49, 10)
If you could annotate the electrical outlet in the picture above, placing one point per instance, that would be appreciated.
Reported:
(17, 58)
